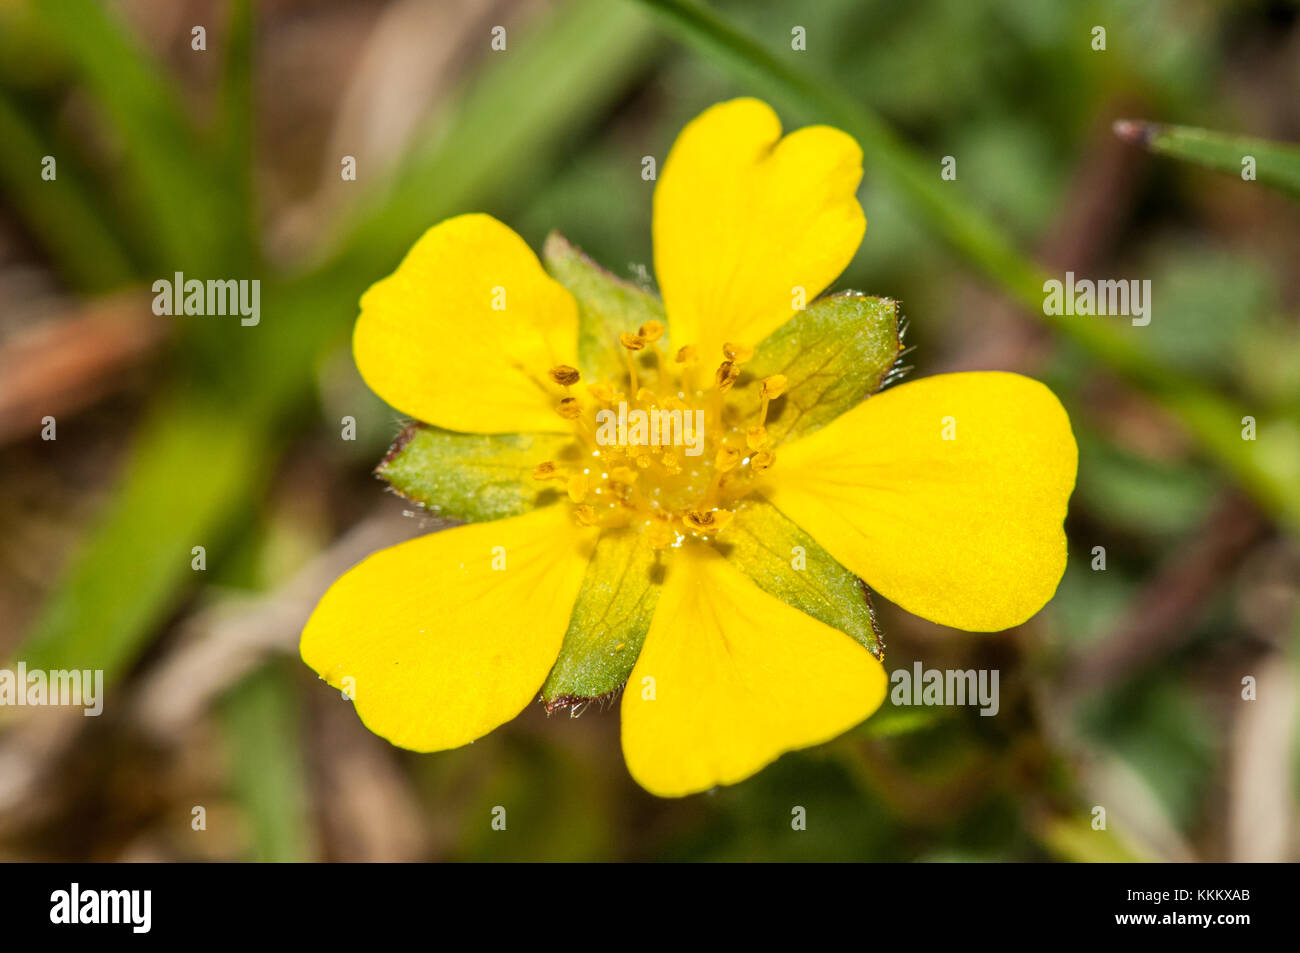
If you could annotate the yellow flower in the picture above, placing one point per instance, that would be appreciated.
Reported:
(719, 585)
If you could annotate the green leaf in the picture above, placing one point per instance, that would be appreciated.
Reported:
(1277, 164)
(607, 307)
(768, 547)
(474, 477)
(891, 721)
(609, 623)
(835, 353)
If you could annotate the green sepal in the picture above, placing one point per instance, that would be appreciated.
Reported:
(609, 623)
(474, 477)
(607, 307)
(835, 353)
(768, 547)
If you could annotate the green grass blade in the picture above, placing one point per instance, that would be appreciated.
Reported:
(171, 180)
(268, 770)
(193, 468)
(236, 124)
(1276, 164)
(59, 213)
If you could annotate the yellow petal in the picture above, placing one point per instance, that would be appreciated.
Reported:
(439, 646)
(730, 678)
(963, 531)
(742, 217)
(463, 333)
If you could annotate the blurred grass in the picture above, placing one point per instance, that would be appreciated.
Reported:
(267, 772)
(173, 179)
(60, 213)
(138, 558)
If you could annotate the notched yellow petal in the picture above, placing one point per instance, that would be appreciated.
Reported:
(747, 679)
(471, 300)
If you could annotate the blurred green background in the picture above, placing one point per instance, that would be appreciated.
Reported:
(1125, 693)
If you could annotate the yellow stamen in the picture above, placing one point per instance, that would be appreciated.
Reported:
(651, 331)
(585, 514)
(578, 487)
(564, 375)
(723, 381)
(737, 353)
(601, 391)
(771, 388)
(632, 343)
(707, 521)
(686, 357)
(774, 386)
(756, 437)
(546, 471)
(726, 376)
(570, 409)
(726, 459)
(762, 460)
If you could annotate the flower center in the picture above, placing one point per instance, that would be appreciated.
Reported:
(664, 453)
